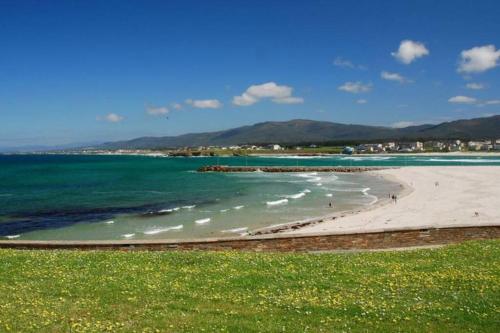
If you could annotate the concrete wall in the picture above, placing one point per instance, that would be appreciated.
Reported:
(280, 243)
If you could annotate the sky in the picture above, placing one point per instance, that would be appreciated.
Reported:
(95, 71)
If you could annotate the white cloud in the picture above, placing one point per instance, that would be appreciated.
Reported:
(176, 106)
(402, 124)
(204, 103)
(393, 77)
(409, 51)
(478, 59)
(111, 117)
(462, 100)
(474, 86)
(361, 101)
(157, 111)
(289, 100)
(490, 102)
(355, 87)
(278, 94)
(345, 63)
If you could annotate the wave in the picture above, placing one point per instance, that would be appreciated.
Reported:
(240, 231)
(314, 179)
(160, 230)
(12, 236)
(329, 195)
(374, 197)
(366, 158)
(306, 191)
(6, 194)
(460, 160)
(295, 196)
(128, 235)
(319, 184)
(224, 210)
(109, 222)
(202, 221)
(238, 207)
(277, 202)
(188, 207)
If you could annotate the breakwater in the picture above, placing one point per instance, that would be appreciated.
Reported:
(225, 168)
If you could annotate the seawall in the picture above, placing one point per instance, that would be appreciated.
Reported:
(383, 239)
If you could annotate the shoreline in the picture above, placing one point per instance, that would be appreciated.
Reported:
(288, 227)
(469, 190)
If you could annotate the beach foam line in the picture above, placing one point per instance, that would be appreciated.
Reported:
(188, 207)
(224, 210)
(277, 202)
(329, 195)
(160, 230)
(319, 184)
(306, 191)
(109, 222)
(128, 235)
(203, 221)
(12, 236)
(238, 207)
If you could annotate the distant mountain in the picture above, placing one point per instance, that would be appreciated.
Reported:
(302, 131)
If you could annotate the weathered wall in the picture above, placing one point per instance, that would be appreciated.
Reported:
(295, 243)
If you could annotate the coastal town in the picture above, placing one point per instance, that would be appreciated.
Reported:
(393, 147)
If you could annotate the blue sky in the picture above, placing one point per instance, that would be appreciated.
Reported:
(83, 71)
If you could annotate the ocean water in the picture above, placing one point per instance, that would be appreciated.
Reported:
(134, 197)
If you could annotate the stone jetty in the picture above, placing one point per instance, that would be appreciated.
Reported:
(225, 168)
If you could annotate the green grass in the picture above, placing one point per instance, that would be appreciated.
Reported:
(452, 289)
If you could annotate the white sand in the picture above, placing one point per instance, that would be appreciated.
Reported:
(462, 191)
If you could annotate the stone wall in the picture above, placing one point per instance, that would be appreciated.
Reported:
(284, 243)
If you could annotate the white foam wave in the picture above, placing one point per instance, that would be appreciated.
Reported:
(461, 160)
(160, 230)
(236, 230)
(329, 195)
(296, 196)
(319, 184)
(365, 190)
(12, 236)
(238, 207)
(224, 210)
(109, 222)
(277, 202)
(188, 207)
(202, 221)
(128, 235)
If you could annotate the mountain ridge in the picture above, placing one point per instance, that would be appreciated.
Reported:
(300, 131)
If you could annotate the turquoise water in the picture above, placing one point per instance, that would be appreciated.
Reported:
(117, 197)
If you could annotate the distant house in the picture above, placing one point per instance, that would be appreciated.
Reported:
(479, 145)
(411, 146)
(496, 144)
(275, 147)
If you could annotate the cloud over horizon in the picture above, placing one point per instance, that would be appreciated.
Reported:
(279, 94)
(204, 103)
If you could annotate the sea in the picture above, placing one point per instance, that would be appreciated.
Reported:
(109, 197)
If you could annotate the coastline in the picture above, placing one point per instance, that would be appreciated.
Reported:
(462, 191)
(297, 226)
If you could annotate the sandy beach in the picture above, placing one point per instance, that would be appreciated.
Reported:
(435, 197)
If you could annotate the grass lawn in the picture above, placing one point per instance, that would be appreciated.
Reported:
(452, 289)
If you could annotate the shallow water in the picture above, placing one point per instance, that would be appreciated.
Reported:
(133, 197)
